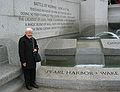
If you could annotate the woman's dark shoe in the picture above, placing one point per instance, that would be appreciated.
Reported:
(34, 85)
(29, 87)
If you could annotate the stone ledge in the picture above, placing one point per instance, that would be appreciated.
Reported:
(79, 78)
(62, 52)
(94, 56)
(61, 47)
(8, 72)
(90, 51)
(12, 86)
(81, 85)
(112, 52)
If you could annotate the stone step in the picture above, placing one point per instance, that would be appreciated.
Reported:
(8, 72)
(48, 89)
(82, 84)
(12, 86)
(82, 78)
(11, 79)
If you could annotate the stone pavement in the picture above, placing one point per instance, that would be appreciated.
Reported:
(46, 89)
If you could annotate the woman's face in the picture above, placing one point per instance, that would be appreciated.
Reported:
(29, 34)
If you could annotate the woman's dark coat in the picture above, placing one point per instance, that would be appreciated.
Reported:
(26, 52)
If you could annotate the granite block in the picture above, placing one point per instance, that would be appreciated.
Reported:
(8, 72)
(61, 47)
(61, 52)
(13, 86)
(12, 50)
(80, 85)
(3, 54)
(90, 59)
(66, 61)
(89, 56)
(91, 78)
(112, 60)
(111, 46)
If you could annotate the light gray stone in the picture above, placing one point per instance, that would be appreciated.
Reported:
(43, 43)
(79, 78)
(111, 50)
(89, 52)
(92, 21)
(34, 12)
(6, 7)
(87, 30)
(61, 52)
(61, 47)
(8, 73)
(3, 54)
(12, 50)
(3, 25)
(89, 58)
(114, 13)
(63, 61)
(75, 1)
(50, 89)
(13, 86)
(81, 85)
(25, 13)
(111, 46)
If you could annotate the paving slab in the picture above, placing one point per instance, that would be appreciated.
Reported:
(48, 89)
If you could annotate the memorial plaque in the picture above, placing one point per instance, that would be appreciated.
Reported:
(79, 78)
(47, 19)
(111, 50)
(111, 46)
(111, 43)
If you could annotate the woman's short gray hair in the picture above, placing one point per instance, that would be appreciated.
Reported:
(28, 29)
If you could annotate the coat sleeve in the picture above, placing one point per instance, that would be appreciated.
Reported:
(22, 51)
(35, 44)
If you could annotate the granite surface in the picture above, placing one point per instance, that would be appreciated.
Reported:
(8, 72)
(89, 52)
(111, 46)
(12, 86)
(61, 52)
(25, 14)
(61, 47)
(50, 89)
(111, 50)
(12, 50)
(79, 78)
(3, 54)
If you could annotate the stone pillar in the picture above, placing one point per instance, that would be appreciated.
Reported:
(94, 17)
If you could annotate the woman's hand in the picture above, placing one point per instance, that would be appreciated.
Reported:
(24, 64)
(34, 50)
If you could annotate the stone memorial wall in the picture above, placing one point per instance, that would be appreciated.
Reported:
(47, 18)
